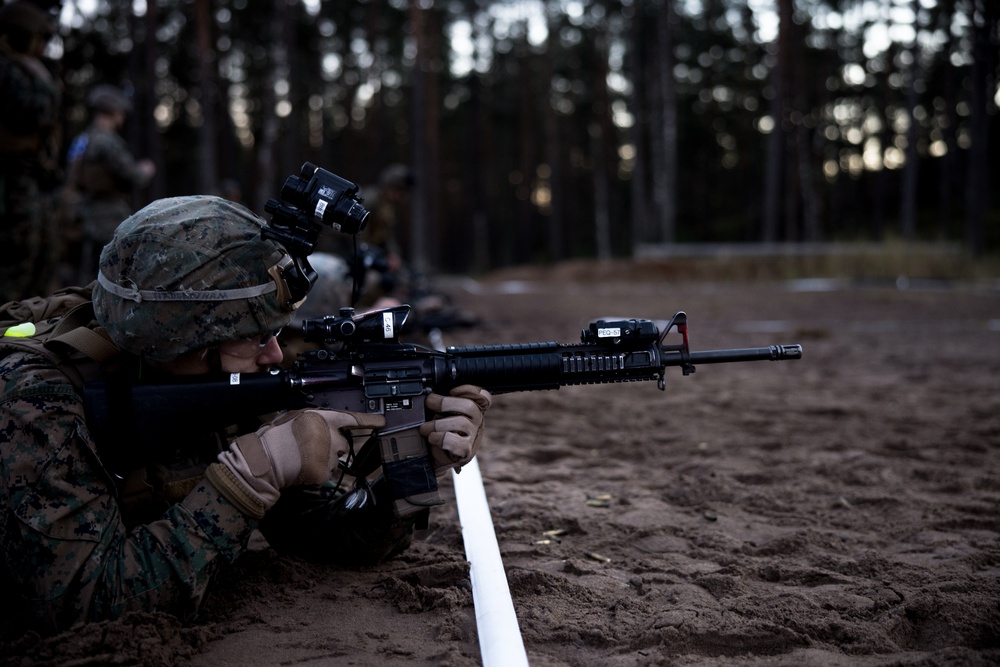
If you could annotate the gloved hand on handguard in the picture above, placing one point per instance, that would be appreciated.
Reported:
(456, 433)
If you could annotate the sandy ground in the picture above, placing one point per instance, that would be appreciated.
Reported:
(839, 510)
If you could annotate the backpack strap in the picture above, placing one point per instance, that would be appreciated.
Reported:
(94, 343)
(73, 331)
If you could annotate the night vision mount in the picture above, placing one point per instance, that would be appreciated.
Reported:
(309, 202)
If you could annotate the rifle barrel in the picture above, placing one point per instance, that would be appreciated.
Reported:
(769, 353)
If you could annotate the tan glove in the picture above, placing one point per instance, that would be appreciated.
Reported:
(455, 435)
(299, 447)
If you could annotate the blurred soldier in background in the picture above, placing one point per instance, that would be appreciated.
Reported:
(387, 204)
(29, 139)
(103, 171)
(376, 273)
(378, 263)
(398, 281)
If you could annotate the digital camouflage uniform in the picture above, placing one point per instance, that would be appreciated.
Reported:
(67, 553)
(66, 549)
(28, 169)
(181, 275)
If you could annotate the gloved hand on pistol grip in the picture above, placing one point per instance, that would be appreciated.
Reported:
(298, 447)
(456, 432)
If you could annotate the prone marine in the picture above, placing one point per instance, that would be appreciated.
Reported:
(187, 286)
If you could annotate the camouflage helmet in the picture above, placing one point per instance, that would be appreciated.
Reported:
(187, 273)
(104, 97)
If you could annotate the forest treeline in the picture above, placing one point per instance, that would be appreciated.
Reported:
(546, 130)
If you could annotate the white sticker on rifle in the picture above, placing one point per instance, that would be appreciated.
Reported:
(320, 209)
(234, 378)
(387, 325)
(609, 333)
(399, 404)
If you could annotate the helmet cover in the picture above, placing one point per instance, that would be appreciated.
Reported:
(109, 99)
(187, 273)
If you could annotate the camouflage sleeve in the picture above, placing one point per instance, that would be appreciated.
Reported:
(63, 539)
(111, 152)
(29, 101)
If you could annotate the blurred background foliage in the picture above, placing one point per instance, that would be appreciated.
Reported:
(546, 130)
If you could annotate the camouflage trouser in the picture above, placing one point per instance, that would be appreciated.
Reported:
(29, 246)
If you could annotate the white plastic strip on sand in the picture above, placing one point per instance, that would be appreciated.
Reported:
(500, 641)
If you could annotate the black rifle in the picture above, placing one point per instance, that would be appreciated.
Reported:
(360, 365)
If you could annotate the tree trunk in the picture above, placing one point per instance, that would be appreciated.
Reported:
(982, 82)
(418, 144)
(911, 169)
(553, 149)
(638, 191)
(947, 172)
(665, 182)
(603, 151)
(809, 197)
(208, 170)
(146, 132)
(526, 160)
(475, 159)
(432, 63)
(880, 179)
(602, 216)
(775, 171)
(267, 138)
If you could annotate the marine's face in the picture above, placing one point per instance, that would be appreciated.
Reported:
(249, 355)
(118, 118)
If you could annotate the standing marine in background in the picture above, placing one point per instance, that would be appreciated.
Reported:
(29, 171)
(103, 171)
